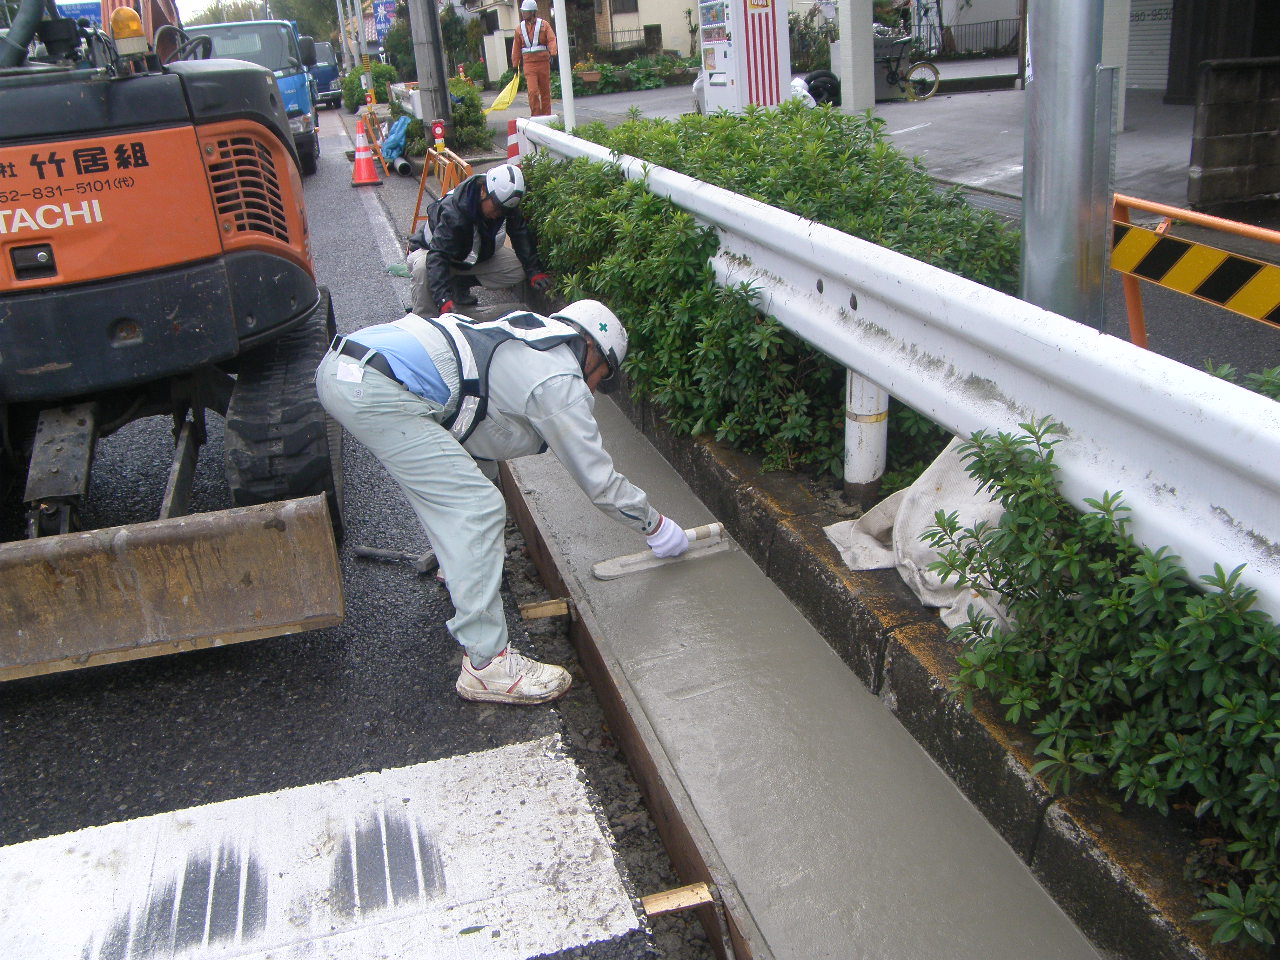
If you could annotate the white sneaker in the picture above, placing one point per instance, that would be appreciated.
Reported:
(512, 678)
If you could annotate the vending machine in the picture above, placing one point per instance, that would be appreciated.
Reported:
(746, 53)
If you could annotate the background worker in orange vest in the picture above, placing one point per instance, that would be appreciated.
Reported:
(534, 46)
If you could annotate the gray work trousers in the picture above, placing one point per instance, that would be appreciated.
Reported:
(500, 271)
(462, 513)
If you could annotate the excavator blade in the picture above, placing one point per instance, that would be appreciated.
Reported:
(146, 589)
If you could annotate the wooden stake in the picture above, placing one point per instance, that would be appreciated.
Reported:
(673, 901)
(545, 608)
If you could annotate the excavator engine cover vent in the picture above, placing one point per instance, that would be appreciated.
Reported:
(246, 187)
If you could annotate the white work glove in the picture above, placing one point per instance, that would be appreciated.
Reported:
(667, 540)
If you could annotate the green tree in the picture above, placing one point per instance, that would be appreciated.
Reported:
(399, 47)
(316, 18)
(475, 40)
(456, 36)
(225, 11)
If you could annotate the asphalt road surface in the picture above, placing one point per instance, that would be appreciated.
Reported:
(522, 831)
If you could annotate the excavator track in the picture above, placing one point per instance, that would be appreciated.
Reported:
(280, 444)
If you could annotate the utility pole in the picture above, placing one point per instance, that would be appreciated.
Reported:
(342, 34)
(357, 18)
(1068, 153)
(428, 55)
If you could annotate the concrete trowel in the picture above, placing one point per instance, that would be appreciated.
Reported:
(703, 541)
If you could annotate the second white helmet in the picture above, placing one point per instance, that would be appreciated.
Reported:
(603, 326)
(529, 5)
(506, 185)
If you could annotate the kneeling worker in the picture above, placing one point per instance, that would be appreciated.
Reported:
(429, 397)
(463, 243)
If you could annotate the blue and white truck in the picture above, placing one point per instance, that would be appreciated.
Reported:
(275, 44)
(327, 75)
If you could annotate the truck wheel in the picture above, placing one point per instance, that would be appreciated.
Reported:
(280, 443)
(308, 160)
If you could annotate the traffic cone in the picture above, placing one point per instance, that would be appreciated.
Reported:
(364, 174)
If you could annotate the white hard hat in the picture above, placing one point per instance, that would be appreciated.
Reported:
(529, 5)
(602, 325)
(506, 185)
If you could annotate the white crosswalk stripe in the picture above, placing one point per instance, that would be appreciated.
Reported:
(493, 855)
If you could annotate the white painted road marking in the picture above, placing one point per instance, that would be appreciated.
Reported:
(493, 855)
(1000, 174)
(918, 126)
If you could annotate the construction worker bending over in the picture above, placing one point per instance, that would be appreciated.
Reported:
(534, 46)
(463, 243)
(430, 397)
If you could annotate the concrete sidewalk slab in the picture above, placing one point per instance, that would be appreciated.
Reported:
(837, 835)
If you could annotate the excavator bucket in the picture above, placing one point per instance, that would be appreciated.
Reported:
(186, 583)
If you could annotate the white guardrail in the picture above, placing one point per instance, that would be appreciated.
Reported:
(1197, 459)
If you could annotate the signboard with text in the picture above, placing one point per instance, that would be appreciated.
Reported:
(384, 15)
(89, 11)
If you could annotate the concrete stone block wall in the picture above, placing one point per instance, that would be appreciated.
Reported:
(1235, 147)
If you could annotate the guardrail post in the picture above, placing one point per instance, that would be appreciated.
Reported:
(866, 438)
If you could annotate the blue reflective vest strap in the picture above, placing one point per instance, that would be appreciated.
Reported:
(474, 345)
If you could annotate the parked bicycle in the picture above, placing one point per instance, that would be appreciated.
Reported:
(919, 81)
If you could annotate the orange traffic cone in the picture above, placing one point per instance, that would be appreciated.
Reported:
(364, 174)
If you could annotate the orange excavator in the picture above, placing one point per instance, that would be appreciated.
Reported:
(155, 261)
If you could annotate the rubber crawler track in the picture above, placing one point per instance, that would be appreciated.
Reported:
(280, 443)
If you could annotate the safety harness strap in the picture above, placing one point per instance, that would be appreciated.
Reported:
(474, 345)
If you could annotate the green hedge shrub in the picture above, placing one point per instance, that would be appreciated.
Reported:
(506, 78)
(1124, 669)
(704, 353)
(1266, 383)
(470, 129)
(353, 94)
(643, 73)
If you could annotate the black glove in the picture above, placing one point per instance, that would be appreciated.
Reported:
(541, 282)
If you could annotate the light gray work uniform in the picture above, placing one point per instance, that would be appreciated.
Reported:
(450, 392)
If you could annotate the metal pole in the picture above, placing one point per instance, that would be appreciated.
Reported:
(566, 66)
(866, 438)
(357, 17)
(1065, 186)
(342, 35)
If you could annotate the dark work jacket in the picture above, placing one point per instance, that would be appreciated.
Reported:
(461, 237)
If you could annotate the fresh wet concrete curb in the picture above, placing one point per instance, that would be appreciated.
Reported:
(728, 924)
(1119, 876)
